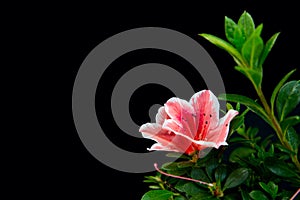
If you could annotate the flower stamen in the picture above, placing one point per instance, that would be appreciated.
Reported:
(180, 177)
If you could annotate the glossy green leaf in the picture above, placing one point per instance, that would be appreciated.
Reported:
(157, 195)
(203, 196)
(230, 27)
(254, 75)
(270, 43)
(236, 178)
(273, 188)
(279, 168)
(252, 105)
(236, 123)
(289, 122)
(220, 173)
(265, 187)
(192, 189)
(211, 165)
(199, 174)
(288, 98)
(258, 195)
(245, 195)
(239, 39)
(240, 152)
(179, 198)
(278, 86)
(169, 166)
(177, 155)
(185, 164)
(293, 139)
(246, 24)
(284, 149)
(252, 50)
(226, 46)
(180, 185)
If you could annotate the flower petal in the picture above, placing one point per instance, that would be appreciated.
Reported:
(172, 125)
(160, 147)
(206, 106)
(155, 132)
(183, 113)
(219, 134)
(161, 115)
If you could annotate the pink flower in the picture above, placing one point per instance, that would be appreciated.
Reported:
(188, 127)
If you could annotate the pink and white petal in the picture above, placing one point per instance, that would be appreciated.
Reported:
(181, 141)
(174, 108)
(220, 133)
(155, 132)
(160, 147)
(161, 115)
(172, 125)
(206, 106)
(183, 113)
(150, 129)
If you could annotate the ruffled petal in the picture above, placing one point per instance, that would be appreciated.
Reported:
(160, 147)
(172, 125)
(183, 114)
(206, 106)
(220, 133)
(155, 132)
(161, 115)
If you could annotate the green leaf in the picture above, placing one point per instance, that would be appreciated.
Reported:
(293, 139)
(157, 195)
(199, 174)
(240, 152)
(289, 122)
(273, 188)
(258, 195)
(279, 168)
(192, 189)
(239, 39)
(236, 123)
(284, 149)
(270, 43)
(246, 24)
(255, 76)
(265, 187)
(179, 198)
(252, 50)
(177, 155)
(203, 196)
(236, 178)
(245, 195)
(278, 86)
(210, 167)
(252, 105)
(230, 27)
(169, 166)
(185, 164)
(226, 46)
(180, 185)
(220, 173)
(288, 98)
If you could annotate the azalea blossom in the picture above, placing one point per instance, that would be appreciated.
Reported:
(189, 127)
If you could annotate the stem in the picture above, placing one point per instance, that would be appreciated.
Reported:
(276, 124)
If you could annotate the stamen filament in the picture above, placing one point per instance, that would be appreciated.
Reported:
(295, 194)
(180, 177)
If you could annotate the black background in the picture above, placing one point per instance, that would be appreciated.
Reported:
(63, 35)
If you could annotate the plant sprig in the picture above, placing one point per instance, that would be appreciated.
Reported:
(249, 51)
